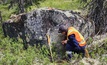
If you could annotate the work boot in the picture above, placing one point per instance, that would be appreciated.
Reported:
(69, 55)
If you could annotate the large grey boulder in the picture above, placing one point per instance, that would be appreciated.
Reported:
(32, 27)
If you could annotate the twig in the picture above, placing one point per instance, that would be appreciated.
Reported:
(49, 43)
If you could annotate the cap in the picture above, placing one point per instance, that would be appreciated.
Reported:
(61, 29)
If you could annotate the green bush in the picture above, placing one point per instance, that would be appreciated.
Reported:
(13, 53)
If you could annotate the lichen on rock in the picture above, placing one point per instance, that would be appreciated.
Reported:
(33, 26)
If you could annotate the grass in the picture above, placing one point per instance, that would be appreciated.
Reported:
(12, 52)
(61, 4)
(99, 52)
(7, 13)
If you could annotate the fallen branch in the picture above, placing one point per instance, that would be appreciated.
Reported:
(49, 43)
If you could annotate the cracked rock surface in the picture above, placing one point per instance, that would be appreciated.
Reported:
(32, 27)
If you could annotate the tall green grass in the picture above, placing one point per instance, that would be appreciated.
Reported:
(61, 4)
(12, 52)
(7, 13)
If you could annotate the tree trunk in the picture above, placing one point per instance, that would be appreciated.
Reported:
(0, 17)
(21, 6)
(30, 2)
(98, 13)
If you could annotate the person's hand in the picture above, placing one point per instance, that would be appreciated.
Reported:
(64, 42)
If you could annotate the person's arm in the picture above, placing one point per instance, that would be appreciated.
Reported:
(72, 38)
(64, 42)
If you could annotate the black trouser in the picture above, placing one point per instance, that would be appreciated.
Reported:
(70, 49)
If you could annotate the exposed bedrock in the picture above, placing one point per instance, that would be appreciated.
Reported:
(32, 27)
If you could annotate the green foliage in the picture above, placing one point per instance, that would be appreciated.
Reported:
(81, 63)
(61, 4)
(90, 40)
(7, 13)
(100, 52)
(12, 52)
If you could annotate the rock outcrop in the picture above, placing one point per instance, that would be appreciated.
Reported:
(32, 27)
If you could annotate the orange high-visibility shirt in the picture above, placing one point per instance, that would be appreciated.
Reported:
(78, 36)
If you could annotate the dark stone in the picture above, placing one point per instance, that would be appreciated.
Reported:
(32, 27)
